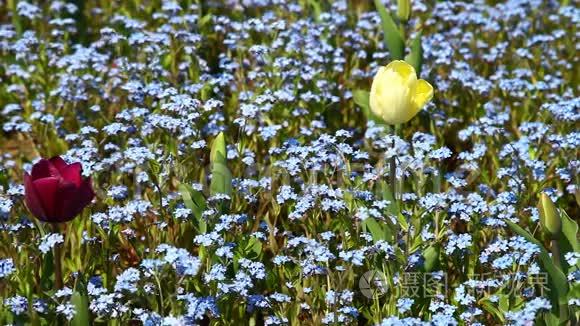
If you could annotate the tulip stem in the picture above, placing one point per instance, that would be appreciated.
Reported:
(57, 261)
(393, 186)
(393, 178)
(393, 168)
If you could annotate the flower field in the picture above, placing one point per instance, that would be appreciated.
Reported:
(277, 162)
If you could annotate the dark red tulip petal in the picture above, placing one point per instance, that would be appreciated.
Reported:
(44, 169)
(82, 196)
(67, 206)
(59, 163)
(47, 188)
(72, 173)
(73, 199)
(86, 193)
(32, 200)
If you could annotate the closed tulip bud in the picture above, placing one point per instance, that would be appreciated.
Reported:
(396, 93)
(56, 191)
(549, 216)
(404, 9)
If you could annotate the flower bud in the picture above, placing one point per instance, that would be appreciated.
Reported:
(549, 216)
(396, 93)
(404, 10)
(56, 191)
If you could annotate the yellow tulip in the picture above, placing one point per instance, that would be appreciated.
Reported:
(396, 93)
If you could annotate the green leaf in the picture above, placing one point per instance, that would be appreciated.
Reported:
(387, 195)
(218, 150)
(551, 319)
(252, 249)
(377, 231)
(361, 98)
(221, 177)
(16, 22)
(574, 292)
(47, 275)
(195, 201)
(431, 258)
(205, 20)
(221, 180)
(504, 302)
(491, 308)
(392, 38)
(415, 57)
(557, 282)
(154, 171)
(317, 10)
(80, 301)
(437, 183)
(81, 304)
(402, 222)
(570, 232)
(568, 241)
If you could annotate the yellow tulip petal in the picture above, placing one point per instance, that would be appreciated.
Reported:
(423, 94)
(403, 69)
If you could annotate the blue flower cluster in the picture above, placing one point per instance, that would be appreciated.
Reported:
(138, 92)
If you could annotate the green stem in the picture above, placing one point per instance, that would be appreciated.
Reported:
(161, 312)
(393, 178)
(393, 185)
(11, 5)
(58, 283)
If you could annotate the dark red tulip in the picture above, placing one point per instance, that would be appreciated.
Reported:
(56, 191)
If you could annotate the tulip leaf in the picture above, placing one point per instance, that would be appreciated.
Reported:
(377, 231)
(47, 275)
(557, 282)
(218, 150)
(570, 232)
(221, 177)
(195, 201)
(568, 242)
(431, 258)
(491, 308)
(504, 302)
(221, 180)
(388, 196)
(392, 38)
(574, 290)
(361, 98)
(81, 303)
(16, 22)
(415, 57)
(550, 319)
(251, 249)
